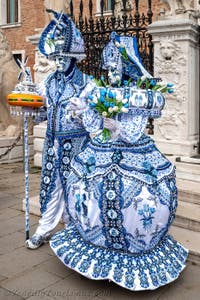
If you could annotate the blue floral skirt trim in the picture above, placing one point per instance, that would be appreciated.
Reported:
(145, 271)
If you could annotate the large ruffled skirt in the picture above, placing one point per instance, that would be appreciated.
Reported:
(121, 199)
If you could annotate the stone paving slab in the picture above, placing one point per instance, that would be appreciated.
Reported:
(6, 295)
(15, 224)
(17, 206)
(189, 210)
(6, 199)
(2, 278)
(30, 283)
(76, 287)
(19, 260)
(114, 292)
(40, 296)
(46, 249)
(8, 213)
(11, 242)
(55, 266)
(187, 287)
(191, 240)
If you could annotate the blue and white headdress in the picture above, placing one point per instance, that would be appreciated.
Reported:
(122, 52)
(61, 37)
(111, 57)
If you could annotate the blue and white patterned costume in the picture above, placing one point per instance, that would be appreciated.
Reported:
(121, 199)
(65, 135)
(62, 129)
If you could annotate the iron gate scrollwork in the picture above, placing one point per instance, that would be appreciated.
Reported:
(96, 28)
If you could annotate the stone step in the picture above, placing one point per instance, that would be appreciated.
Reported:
(34, 205)
(16, 154)
(188, 191)
(188, 171)
(186, 159)
(188, 216)
(39, 131)
(190, 240)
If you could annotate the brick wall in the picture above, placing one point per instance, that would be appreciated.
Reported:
(31, 17)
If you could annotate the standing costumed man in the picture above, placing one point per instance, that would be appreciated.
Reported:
(62, 42)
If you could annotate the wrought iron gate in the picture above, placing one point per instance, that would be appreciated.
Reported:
(96, 29)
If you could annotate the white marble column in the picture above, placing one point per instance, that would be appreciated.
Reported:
(176, 60)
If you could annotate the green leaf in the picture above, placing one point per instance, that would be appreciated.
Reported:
(129, 81)
(139, 82)
(156, 87)
(147, 83)
(106, 134)
(164, 90)
(98, 82)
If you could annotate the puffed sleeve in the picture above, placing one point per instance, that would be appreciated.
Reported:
(143, 104)
(147, 102)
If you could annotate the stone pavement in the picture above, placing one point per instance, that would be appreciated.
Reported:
(35, 275)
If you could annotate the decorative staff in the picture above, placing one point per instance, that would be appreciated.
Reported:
(25, 101)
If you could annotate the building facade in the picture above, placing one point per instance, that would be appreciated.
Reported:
(20, 19)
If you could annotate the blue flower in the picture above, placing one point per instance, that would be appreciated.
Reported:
(92, 104)
(127, 96)
(90, 97)
(102, 78)
(91, 77)
(153, 82)
(170, 85)
(170, 91)
(125, 82)
(106, 104)
(126, 105)
(102, 92)
(114, 95)
(102, 99)
(51, 35)
(121, 49)
(112, 104)
(110, 94)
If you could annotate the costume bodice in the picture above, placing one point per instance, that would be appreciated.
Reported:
(142, 104)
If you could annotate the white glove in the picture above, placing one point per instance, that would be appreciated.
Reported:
(113, 126)
(110, 124)
(77, 105)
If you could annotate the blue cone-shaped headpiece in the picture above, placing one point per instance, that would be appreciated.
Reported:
(61, 37)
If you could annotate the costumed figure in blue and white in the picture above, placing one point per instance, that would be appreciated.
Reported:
(121, 192)
(62, 42)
